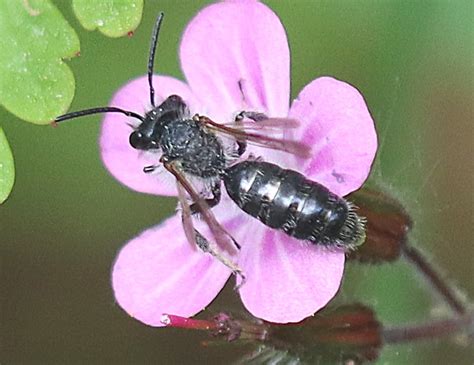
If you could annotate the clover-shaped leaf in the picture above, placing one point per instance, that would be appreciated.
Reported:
(114, 18)
(7, 169)
(35, 84)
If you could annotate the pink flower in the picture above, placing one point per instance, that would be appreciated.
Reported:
(158, 271)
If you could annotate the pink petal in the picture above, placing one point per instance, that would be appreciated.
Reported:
(287, 280)
(232, 42)
(124, 162)
(341, 131)
(159, 272)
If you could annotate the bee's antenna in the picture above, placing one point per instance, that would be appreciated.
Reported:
(151, 58)
(106, 109)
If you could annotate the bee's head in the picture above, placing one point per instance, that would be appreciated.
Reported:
(148, 133)
(142, 141)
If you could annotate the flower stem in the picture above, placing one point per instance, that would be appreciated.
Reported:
(222, 325)
(429, 330)
(435, 279)
(189, 323)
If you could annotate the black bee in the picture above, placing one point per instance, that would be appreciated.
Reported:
(192, 147)
(288, 201)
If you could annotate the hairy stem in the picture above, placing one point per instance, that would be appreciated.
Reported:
(435, 279)
(429, 330)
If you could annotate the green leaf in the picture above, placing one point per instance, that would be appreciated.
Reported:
(7, 169)
(114, 18)
(35, 84)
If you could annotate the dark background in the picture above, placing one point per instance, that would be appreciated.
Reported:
(67, 218)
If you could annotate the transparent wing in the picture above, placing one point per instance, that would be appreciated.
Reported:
(186, 219)
(271, 124)
(240, 133)
(224, 241)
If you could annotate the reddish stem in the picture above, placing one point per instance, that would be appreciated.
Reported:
(181, 322)
(428, 271)
(429, 330)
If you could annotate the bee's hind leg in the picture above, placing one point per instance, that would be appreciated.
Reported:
(205, 246)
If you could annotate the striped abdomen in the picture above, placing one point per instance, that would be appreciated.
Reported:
(286, 200)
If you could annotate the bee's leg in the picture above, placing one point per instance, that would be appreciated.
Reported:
(205, 246)
(224, 239)
(212, 202)
(150, 169)
(241, 147)
(196, 239)
(256, 117)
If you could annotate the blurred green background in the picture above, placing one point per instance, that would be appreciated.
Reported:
(67, 217)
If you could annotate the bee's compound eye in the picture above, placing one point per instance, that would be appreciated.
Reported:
(136, 140)
(175, 98)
